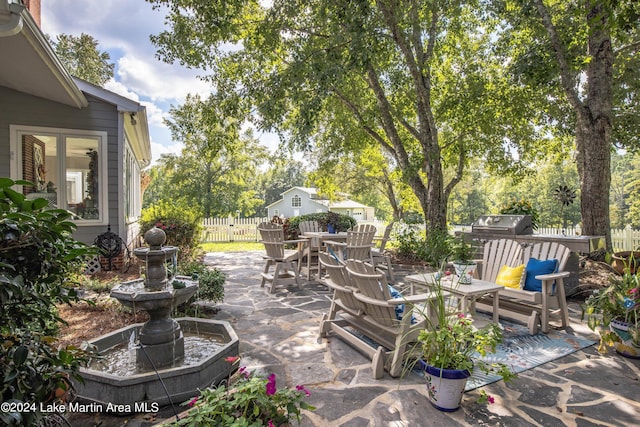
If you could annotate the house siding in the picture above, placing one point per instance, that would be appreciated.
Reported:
(307, 204)
(17, 108)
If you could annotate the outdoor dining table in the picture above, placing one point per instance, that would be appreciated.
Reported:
(317, 239)
(467, 294)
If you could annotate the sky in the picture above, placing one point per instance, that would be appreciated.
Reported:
(122, 28)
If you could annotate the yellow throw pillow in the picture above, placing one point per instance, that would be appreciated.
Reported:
(510, 276)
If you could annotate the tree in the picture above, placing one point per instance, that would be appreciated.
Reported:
(567, 51)
(412, 76)
(81, 57)
(218, 163)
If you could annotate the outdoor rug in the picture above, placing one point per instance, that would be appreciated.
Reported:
(518, 350)
(521, 351)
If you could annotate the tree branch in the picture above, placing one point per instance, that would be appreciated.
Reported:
(565, 74)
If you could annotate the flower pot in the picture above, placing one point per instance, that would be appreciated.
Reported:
(445, 386)
(331, 228)
(464, 271)
(626, 347)
(626, 258)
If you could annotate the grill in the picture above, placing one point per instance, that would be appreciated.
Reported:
(504, 225)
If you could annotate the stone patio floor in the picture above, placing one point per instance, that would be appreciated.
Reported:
(279, 334)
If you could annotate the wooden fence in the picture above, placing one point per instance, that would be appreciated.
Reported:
(233, 229)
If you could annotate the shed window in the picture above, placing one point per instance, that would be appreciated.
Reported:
(296, 201)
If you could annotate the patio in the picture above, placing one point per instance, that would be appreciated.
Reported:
(278, 333)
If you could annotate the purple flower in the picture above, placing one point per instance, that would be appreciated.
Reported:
(302, 388)
(192, 402)
(243, 371)
(271, 385)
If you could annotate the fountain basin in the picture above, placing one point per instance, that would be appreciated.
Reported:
(142, 391)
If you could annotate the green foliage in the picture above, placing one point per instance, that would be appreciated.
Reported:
(618, 301)
(248, 400)
(343, 222)
(450, 340)
(461, 250)
(409, 241)
(217, 168)
(437, 247)
(522, 207)
(81, 57)
(38, 261)
(181, 223)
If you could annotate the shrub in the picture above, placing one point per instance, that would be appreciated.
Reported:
(38, 259)
(182, 224)
(522, 207)
(343, 222)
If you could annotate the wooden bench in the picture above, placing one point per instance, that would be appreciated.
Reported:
(520, 304)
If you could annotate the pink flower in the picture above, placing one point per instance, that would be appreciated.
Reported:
(232, 359)
(491, 399)
(271, 385)
(271, 424)
(303, 389)
(192, 402)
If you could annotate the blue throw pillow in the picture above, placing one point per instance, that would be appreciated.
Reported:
(536, 267)
(400, 307)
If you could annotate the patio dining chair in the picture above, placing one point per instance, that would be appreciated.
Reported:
(358, 244)
(285, 262)
(310, 251)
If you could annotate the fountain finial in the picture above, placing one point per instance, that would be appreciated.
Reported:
(155, 237)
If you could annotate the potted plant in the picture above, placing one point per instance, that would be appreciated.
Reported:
(462, 253)
(448, 346)
(614, 312)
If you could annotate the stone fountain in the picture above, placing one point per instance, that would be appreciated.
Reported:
(163, 371)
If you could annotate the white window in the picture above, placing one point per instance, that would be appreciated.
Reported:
(296, 201)
(67, 166)
(132, 180)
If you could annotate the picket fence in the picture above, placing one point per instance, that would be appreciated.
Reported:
(233, 229)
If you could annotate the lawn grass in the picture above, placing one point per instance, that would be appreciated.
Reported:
(231, 246)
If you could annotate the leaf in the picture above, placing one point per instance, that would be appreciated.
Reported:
(15, 197)
(20, 355)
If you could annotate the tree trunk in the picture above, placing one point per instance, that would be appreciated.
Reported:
(593, 130)
(593, 116)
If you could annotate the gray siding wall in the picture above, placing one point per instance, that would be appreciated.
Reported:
(17, 108)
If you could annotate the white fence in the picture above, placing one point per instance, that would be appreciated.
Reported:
(246, 229)
(626, 239)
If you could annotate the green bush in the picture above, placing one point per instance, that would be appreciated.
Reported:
(522, 207)
(210, 280)
(182, 224)
(38, 261)
(343, 222)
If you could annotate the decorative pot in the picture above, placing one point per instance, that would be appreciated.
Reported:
(464, 271)
(626, 347)
(445, 386)
(625, 258)
(331, 228)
